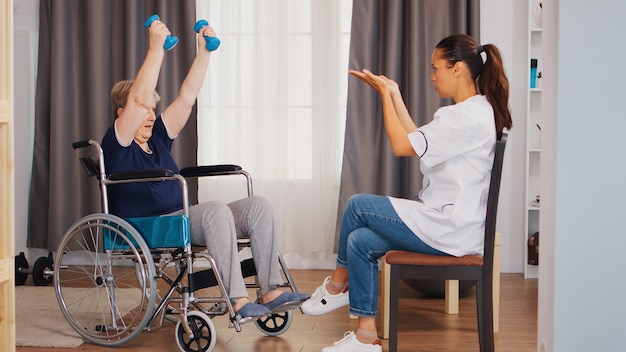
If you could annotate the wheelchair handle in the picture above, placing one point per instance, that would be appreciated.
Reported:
(82, 144)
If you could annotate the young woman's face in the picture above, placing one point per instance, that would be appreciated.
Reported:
(443, 76)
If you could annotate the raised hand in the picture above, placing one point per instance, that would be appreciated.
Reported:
(159, 33)
(381, 83)
(211, 42)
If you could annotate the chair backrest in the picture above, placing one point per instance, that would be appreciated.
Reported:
(492, 204)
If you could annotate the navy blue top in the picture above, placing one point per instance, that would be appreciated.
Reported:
(141, 199)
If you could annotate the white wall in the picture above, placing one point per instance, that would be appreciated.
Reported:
(582, 282)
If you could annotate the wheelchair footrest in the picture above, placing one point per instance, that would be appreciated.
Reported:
(287, 306)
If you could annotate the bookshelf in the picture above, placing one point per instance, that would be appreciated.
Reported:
(533, 139)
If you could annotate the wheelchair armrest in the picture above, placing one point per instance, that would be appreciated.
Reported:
(210, 170)
(141, 174)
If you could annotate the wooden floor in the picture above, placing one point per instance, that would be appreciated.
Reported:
(423, 325)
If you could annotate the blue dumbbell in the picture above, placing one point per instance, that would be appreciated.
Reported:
(170, 41)
(212, 43)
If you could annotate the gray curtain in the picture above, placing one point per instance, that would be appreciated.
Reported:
(395, 38)
(84, 48)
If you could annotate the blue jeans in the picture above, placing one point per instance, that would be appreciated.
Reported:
(371, 227)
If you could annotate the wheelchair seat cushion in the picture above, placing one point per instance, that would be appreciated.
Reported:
(170, 231)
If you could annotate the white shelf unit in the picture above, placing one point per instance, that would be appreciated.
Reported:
(533, 133)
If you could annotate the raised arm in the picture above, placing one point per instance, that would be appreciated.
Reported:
(141, 98)
(398, 122)
(177, 113)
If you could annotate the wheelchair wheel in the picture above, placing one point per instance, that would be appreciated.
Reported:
(204, 338)
(275, 324)
(105, 280)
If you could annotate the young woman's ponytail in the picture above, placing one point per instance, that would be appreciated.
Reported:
(488, 74)
(492, 82)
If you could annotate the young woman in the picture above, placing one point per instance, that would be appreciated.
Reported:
(456, 152)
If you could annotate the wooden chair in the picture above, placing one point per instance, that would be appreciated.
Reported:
(410, 265)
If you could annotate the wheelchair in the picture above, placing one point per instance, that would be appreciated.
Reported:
(116, 277)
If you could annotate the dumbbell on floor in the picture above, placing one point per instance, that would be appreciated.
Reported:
(212, 43)
(42, 271)
(170, 41)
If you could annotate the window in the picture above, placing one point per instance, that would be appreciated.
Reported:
(275, 103)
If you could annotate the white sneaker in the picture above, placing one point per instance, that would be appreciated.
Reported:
(322, 302)
(349, 343)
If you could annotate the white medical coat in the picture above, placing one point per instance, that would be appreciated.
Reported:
(456, 153)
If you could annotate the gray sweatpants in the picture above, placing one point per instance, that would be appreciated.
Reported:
(218, 226)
